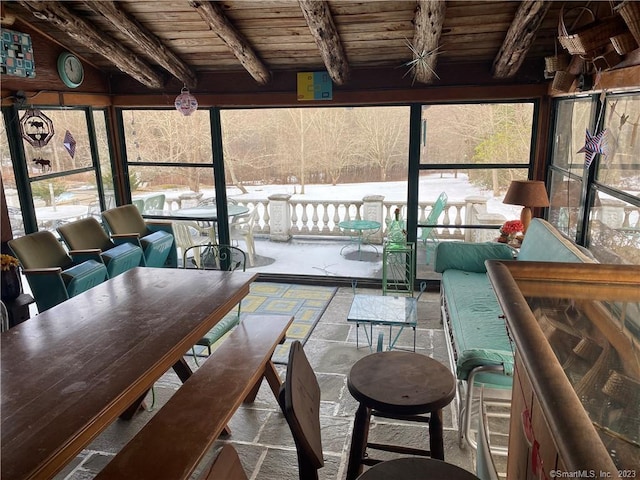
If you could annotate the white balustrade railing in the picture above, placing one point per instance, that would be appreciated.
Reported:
(282, 217)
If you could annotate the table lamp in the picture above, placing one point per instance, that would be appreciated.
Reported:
(528, 193)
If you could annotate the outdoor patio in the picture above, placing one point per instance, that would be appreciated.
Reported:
(323, 257)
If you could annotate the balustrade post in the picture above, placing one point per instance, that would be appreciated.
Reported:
(475, 207)
(280, 217)
(372, 209)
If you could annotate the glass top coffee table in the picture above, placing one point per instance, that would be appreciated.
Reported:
(371, 310)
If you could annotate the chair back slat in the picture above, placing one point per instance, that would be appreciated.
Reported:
(300, 403)
(214, 257)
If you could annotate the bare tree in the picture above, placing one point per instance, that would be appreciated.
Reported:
(383, 138)
(247, 140)
(336, 141)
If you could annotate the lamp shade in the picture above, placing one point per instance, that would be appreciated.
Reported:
(528, 193)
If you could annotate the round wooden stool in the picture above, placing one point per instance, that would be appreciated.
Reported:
(411, 468)
(403, 386)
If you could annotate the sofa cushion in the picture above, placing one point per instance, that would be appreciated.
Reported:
(475, 318)
(469, 257)
(544, 243)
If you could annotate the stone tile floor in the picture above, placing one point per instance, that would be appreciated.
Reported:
(259, 430)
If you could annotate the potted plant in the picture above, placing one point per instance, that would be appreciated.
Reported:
(511, 232)
(10, 287)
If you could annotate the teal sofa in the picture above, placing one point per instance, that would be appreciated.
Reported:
(478, 343)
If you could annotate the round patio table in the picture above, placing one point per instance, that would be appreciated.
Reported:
(209, 214)
(360, 227)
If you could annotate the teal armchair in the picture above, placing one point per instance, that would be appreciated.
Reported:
(53, 275)
(88, 236)
(125, 224)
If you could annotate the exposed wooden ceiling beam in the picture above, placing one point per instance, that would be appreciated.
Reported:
(428, 22)
(320, 22)
(152, 45)
(519, 38)
(213, 14)
(126, 60)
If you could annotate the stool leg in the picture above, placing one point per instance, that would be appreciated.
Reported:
(436, 441)
(358, 441)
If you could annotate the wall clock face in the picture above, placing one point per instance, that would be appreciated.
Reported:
(70, 70)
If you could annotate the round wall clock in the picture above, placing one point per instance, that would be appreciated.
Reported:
(70, 70)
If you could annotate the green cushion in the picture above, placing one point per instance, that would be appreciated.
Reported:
(476, 322)
(543, 243)
(216, 333)
(469, 257)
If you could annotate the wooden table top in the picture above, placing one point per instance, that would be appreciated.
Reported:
(70, 371)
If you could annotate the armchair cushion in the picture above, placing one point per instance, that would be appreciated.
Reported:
(40, 250)
(125, 219)
(84, 234)
(84, 276)
(157, 246)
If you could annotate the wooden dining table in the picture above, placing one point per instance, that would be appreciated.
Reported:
(69, 372)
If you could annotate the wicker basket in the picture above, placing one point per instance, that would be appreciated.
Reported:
(562, 82)
(624, 43)
(556, 63)
(630, 12)
(622, 388)
(588, 38)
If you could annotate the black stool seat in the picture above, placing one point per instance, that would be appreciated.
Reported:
(412, 468)
(399, 385)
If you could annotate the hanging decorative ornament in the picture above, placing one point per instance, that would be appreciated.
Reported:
(69, 143)
(186, 103)
(593, 144)
(421, 61)
(36, 127)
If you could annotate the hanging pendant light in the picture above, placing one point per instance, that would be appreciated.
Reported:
(186, 103)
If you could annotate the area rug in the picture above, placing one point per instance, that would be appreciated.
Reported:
(306, 303)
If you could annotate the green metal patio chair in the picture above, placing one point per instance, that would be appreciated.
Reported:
(428, 234)
(215, 257)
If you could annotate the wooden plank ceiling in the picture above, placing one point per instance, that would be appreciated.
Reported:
(153, 40)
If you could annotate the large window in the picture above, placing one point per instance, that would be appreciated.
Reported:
(471, 152)
(9, 185)
(595, 193)
(59, 171)
(573, 118)
(614, 220)
(169, 154)
(307, 171)
(300, 173)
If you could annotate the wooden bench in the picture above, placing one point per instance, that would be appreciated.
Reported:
(175, 440)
